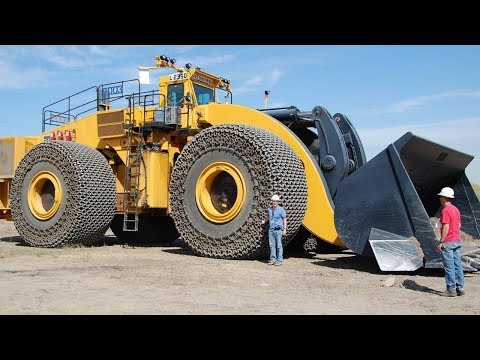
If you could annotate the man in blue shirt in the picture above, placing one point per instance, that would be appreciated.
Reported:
(277, 218)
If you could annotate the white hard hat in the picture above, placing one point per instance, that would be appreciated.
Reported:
(275, 198)
(446, 192)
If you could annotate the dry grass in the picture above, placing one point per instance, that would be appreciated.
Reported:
(5, 253)
(476, 188)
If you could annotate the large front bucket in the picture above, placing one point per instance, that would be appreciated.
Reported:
(384, 208)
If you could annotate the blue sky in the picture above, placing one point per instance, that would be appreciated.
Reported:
(432, 91)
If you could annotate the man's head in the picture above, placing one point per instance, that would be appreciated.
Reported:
(275, 199)
(446, 195)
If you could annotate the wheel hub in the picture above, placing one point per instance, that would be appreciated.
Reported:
(220, 192)
(44, 195)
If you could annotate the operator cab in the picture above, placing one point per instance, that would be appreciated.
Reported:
(203, 94)
(177, 95)
(189, 86)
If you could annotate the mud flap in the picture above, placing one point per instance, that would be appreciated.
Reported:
(396, 192)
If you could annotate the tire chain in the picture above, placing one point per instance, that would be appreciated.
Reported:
(304, 241)
(273, 167)
(90, 194)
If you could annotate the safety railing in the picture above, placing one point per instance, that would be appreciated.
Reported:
(105, 95)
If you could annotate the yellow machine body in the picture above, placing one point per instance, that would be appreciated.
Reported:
(105, 130)
(189, 165)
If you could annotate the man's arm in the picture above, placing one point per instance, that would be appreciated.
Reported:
(266, 219)
(445, 228)
(285, 225)
(443, 235)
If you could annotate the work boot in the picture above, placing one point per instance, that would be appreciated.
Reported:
(460, 291)
(448, 293)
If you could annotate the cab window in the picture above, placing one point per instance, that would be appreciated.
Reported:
(204, 95)
(175, 95)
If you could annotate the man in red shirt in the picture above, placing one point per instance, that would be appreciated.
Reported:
(450, 244)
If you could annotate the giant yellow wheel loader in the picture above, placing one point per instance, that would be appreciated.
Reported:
(178, 162)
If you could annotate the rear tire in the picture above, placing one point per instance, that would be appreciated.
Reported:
(221, 187)
(303, 242)
(62, 193)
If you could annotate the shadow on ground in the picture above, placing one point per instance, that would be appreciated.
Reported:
(413, 285)
(107, 240)
(138, 244)
(368, 264)
(353, 262)
(18, 240)
(299, 254)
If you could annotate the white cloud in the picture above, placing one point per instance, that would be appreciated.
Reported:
(206, 61)
(465, 129)
(406, 105)
(71, 57)
(254, 83)
(18, 77)
(44, 65)
(185, 48)
(277, 104)
(97, 50)
(275, 76)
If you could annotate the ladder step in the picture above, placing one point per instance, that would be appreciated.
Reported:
(132, 194)
(125, 228)
(132, 177)
(128, 215)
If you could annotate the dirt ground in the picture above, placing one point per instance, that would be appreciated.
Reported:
(119, 279)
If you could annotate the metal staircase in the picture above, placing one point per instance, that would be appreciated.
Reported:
(132, 177)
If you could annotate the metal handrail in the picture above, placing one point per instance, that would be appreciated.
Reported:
(68, 113)
(56, 102)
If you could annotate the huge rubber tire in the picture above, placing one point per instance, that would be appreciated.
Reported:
(62, 193)
(263, 164)
(159, 229)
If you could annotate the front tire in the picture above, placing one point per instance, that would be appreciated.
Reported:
(221, 187)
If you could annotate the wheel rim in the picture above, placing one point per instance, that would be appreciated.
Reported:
(220, 192)
(44, 195)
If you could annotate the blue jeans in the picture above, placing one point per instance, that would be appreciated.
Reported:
(453, 264)
(276, 247)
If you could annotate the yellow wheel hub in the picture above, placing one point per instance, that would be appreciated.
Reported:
(220, 192)
(44, 195)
